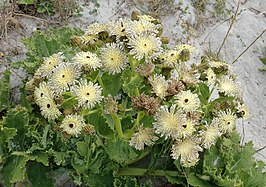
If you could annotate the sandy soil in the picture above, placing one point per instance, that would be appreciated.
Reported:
(181, 25)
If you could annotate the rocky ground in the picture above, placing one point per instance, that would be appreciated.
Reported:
(206, 29)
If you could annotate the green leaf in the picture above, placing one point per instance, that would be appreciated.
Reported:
(26, 2)
(6, 135)
(120, 151)
(14, 170)
(38, 175)
(17, 118)
(193, 180)
(204, 93)
(131, 83)
(263, 60)
(5, 90)
(112, 84)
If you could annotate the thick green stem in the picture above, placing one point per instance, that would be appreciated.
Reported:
(118, 126)
(100, 81)
(143, 172)
(136, 124)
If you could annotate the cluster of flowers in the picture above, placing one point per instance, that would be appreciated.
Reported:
(173, 100)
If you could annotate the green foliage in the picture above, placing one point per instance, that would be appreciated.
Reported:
(5, 90)
(263, 60)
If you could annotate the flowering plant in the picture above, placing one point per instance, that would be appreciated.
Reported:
(115, 104)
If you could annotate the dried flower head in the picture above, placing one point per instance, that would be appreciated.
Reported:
(145, 69)
(210, 134)
(144, 136)
(188, 149)
(174, 87)
(88, 60)
(64, 76)
(159, 85)
(227, 121)
(89, 129)
(168, 123)
(73, 124)
(148, 46)
(188, 101)
(48, 108)
(113, 58)
(88, 94)
(185, 51)
(110, 105)
(145, 102)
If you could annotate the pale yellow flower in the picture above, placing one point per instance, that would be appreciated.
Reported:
(42, 91)
(227, 121)
(210, 134)
(141, 27)
(96, 28)
(88, 94)
(159, 85)
(144, 136)
(48, 108)
(229, 87)
(187, 150)
(89, 39)
(211, 77)
(171, 58)
(118, 28)
(188, 128)
(64, 76)
(168, 123)
(113, 58)
(73, 124)
(188, 101)
(148, 46)
(187, 47)
(50, 63)
(244, 111)
(218, 64)
(88, 60)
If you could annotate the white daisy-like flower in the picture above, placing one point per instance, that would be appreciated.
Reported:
(171, 58)
(147, 18)
(188, 128)
(188, 149)
(88, 60)
(180, 49)
(89, 39)
(210, 134)
(211, 77)
(96, 28)
(42, 91)
(229, 87)
(88, 94)
(50, 63)
(113, 58)
(148, 46)
(159, 85)
(244, 111)
(64, 76)
(144, 136)
(118, 28)
(142, 27)
(73, 124)
(218, 64)
(48, 108)
(168, 123)
(188, 101)
(227, 121)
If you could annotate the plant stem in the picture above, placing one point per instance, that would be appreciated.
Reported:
(143, 171)
(229, 29)
(100, 81)
(118, 126)
(136, 124)
(249, 45)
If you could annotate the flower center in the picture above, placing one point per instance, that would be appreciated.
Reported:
(48, 105)
(88, 93)
(71, 125)
(41, 94)
(63, 76)
(186, 100)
